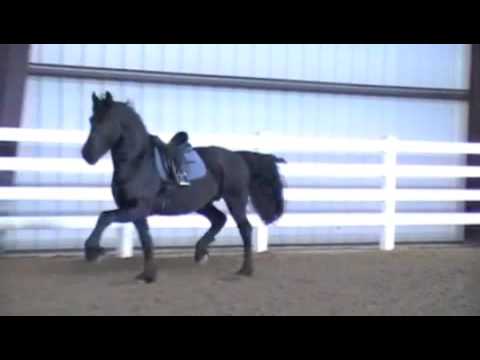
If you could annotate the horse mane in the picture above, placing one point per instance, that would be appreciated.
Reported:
(136, 120)
(129, 106)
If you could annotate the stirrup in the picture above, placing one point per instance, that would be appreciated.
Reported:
(183, 182)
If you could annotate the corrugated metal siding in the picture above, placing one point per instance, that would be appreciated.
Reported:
(66, 104)
(207, 110)
(425, 65)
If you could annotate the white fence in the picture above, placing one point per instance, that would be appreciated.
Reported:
(389, 194)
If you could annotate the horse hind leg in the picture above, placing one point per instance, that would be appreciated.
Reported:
(238, 208)
(217, 220)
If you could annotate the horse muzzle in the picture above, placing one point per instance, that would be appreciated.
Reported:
(88, 156)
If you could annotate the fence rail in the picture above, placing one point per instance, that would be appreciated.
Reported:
(90, 193)
(389, 194)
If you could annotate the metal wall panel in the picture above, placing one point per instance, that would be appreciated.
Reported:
(62, 103)
(422, 65)
(65, 103)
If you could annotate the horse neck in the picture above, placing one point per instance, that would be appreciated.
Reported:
(131, 148)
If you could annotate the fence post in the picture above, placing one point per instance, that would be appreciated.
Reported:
(125, 250)
(387, 242)
(261, 237)
(261, 230)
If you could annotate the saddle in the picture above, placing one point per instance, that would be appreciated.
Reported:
(194, 165)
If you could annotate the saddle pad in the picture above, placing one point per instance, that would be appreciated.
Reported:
(194, 166)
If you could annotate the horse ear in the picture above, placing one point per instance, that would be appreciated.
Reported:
(108, 98)
(95, 99)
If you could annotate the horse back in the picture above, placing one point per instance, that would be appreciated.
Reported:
(227, 166)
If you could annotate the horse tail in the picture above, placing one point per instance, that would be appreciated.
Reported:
(266, 186)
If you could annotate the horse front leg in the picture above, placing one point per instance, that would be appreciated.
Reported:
(93, 250)
(149, 269)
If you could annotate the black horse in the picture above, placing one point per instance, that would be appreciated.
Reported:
(139, 192)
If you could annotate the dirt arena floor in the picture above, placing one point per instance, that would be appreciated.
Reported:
(408, 281)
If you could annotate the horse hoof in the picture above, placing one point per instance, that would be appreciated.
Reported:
(149, 273)
(201, 256)
(203, 260)
(147, 278)
(93, 253)
(245, 271)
